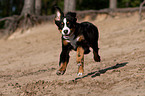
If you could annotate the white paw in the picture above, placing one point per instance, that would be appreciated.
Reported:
(80, 74)
(79, 64)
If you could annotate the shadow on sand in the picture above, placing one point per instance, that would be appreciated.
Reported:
(98, 73)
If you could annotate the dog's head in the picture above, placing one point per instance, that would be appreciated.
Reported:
(65, 23)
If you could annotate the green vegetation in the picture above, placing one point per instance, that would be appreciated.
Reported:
(128, 3)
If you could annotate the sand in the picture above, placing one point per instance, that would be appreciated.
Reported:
(29, 61)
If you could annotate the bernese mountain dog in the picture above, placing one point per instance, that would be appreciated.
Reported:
(75, 36)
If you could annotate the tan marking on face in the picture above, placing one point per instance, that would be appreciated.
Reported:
(60, 30)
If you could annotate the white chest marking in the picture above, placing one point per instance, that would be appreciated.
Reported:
(73, 41)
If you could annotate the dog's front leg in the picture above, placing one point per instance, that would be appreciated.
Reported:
(80, 60)
(64, 59)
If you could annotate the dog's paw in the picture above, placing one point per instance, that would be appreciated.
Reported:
(80, 74)
(60, 72)
(97, 58)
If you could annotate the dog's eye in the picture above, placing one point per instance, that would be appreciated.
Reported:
(67, 22)
(62, 23)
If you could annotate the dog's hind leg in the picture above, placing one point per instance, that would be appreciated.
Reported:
(96, 53)
(80, 60)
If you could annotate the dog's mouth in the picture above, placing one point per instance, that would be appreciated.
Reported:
(66, 36)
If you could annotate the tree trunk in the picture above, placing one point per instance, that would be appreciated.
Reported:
(26, 20)
(113, 4)
(28, 7)
(38, 7)
(69, 5)
(140, 10)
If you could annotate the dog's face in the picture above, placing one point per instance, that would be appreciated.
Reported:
(66, 24)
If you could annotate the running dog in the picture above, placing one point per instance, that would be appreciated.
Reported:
(75, 36)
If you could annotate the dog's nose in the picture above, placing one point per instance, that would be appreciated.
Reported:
(65, 31)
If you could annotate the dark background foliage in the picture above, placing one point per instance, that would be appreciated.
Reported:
(14, 7)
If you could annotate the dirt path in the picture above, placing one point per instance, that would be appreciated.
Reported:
(28, 63)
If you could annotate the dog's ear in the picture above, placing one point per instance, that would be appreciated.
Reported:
(59, 13)
(72, 15)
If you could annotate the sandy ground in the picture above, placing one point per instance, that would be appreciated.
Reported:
(28, 63)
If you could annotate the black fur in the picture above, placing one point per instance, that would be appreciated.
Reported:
(85, 29)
